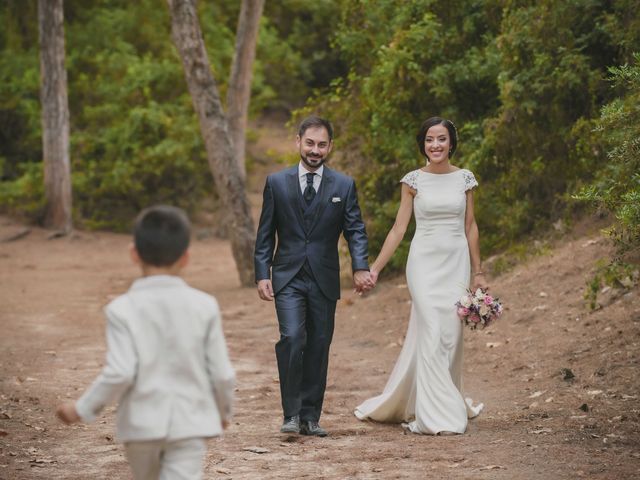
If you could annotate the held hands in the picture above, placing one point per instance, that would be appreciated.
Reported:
(363, 281)
(67, 413)
(374, 276)
(265, 290)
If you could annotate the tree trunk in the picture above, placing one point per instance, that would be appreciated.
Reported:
(55, 116)
(187, 36)
(239, 91)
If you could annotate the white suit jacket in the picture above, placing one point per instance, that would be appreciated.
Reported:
(167, 363)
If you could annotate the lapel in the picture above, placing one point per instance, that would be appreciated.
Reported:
(295, 199)
(326, 187)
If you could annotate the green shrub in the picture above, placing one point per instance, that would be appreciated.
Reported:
(617, 275)
(616, 188)
(135, 139)
(522, 81)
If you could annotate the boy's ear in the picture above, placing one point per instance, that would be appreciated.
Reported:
(133, 253)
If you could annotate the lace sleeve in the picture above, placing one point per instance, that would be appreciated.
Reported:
(469, 180)
(411, 179)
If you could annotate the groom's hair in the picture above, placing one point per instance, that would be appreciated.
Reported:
(431, 122)
(161, 235)
(315, 122)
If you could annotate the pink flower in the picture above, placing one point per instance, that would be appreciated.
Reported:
(478, 309)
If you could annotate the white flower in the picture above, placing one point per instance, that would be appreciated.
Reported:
(465, 301)
(484, 309)
(479, 294)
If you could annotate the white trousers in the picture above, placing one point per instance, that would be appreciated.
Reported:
(166, 460)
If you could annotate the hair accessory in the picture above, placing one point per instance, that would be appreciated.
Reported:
(455, 129)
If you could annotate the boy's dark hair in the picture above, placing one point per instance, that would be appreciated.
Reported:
(315, 122)
(161, 235)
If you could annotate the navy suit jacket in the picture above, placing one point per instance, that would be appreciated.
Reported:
(282, 217)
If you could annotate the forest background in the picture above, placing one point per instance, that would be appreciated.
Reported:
(545, 94)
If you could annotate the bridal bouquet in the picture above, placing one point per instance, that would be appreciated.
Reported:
(478, 308)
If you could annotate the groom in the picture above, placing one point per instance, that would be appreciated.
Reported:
(307, 207)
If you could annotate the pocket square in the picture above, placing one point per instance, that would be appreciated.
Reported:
(336, 200)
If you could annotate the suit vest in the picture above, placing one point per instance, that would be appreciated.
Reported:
(309, 212)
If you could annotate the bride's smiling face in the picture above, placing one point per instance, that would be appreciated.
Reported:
(437, 144)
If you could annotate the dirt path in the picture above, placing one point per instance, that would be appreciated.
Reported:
(52, 345)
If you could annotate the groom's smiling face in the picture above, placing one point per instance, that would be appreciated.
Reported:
(315, 146)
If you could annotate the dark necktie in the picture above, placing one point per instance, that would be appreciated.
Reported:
(309, 192)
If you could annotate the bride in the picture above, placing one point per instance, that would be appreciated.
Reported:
(425, 386)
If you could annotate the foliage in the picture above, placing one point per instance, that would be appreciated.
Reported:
(552, 57)
(522, 80)
(135, 139)
(405, 59)
(620, 276)
(294, 52)
(26, 193)
(616, 189)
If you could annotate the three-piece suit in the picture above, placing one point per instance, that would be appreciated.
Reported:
(297, 248)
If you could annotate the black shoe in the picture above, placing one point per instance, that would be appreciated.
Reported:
(291, 425)
(309, 427)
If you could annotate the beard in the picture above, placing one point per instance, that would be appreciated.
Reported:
(312, 161)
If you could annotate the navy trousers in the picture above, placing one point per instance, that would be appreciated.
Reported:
(306, 319)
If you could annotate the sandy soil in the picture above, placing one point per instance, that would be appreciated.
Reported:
(533, 427)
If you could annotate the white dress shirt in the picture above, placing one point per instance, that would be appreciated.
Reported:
(302, 176)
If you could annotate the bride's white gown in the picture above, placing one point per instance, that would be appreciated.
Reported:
(425, 386)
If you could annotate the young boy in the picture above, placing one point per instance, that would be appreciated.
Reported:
(167, 362)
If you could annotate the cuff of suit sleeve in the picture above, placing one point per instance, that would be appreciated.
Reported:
(224, 394)
(262, 272)
(359, 266)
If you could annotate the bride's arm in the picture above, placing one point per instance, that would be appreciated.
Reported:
(473, 239)
(396, 234)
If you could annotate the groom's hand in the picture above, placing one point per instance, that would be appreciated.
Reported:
(363, 282)
(265, 290)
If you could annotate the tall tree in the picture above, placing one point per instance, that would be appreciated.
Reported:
(239, 89)
(187, 36)
(55, 116)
